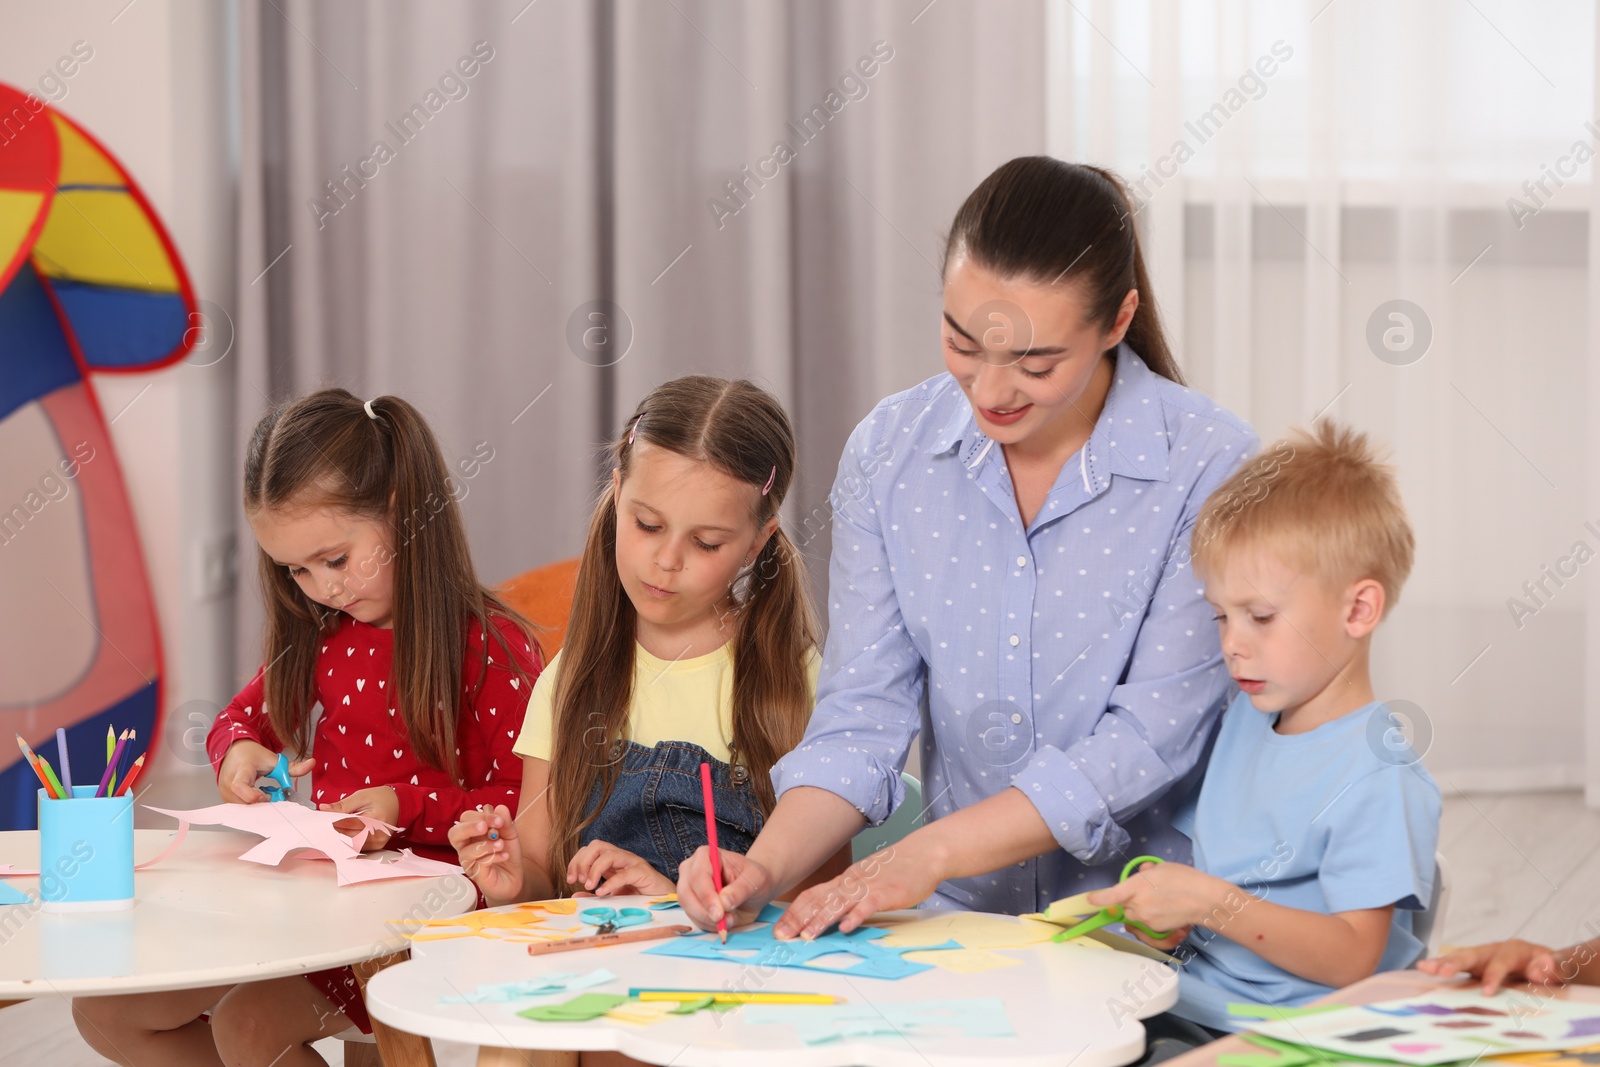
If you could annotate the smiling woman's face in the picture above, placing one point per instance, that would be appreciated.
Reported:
(1022, 351)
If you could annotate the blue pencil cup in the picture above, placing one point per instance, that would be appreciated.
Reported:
(85, 852)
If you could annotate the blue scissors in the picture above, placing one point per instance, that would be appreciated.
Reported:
(608, 920)
(1113, 914)
(280, 775)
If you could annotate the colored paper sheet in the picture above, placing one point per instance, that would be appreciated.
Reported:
(580, 1009)
(641, 1014)
(543, 986)
(818, 1024)
(1246, 1010)
(1444, 1027)
(11, 895)
(524, 923)
(972, 930)
(759, 948)
(288, 827)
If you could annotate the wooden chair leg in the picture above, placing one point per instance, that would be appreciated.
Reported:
(398, 1048)
(361, 1054)
(510, 1057)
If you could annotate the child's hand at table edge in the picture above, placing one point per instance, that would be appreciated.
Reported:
(244, 763)
(607, 871)
(1497, 963)
(379, 802)
(494, 866)
(746, 888)
(1165, 896)
(898, 876)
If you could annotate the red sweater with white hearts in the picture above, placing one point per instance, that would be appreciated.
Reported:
(360, 742)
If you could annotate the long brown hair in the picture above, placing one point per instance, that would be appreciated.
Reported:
(741, 430)
(324, 450)
(1046, 220)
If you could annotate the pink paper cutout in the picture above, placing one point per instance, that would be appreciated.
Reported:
(288, 827)
(8, 871)
(1414, 1047)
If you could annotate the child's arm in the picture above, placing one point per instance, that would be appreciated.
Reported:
(513, 867)
(485, 733)
(243, 746)
(1512, 960)
(1334, 950)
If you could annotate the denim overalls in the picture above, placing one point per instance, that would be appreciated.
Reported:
(657, 808)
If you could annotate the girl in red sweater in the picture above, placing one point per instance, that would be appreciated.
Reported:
(374, 612)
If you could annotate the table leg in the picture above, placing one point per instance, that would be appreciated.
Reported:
(510, 1057)
(398, 1048)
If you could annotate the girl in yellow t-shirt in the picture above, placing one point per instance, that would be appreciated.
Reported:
(691, 640)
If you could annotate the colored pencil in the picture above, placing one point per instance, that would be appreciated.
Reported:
(133, 773)
(33, 761)
(66, 765)
(622, 937)
(711, 839)
(724, 996)
(111, 767)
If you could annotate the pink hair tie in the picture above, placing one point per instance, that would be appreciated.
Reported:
(765, 489)
(635, 428)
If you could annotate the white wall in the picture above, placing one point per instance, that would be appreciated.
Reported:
(156, 94)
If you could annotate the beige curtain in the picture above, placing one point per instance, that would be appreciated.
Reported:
(619, 159)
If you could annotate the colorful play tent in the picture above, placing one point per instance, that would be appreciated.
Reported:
(89, 284)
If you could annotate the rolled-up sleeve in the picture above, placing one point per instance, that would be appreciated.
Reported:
(1161, 716)
(872, 680)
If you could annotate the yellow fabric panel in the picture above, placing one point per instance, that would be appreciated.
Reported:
(81, 162)
(104, 238)
(17, 212)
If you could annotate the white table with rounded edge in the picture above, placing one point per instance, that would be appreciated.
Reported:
(1061, 1001)
(201, 917)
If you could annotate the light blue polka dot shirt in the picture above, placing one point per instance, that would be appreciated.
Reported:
(1075, 660)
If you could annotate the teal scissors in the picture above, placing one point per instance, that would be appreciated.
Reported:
(1113, 914)
(608, 920)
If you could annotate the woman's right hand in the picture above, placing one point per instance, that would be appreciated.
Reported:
(495, 865)
(746, 889)
(243, 764)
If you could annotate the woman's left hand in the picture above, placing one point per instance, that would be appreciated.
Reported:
(1165, 896)
(900, 875)
(379, 802)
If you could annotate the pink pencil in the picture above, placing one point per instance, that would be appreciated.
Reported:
(711, 839)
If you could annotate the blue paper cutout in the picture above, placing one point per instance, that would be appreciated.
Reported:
(875, 961)
(818, 1024)
(546, 985)
(12, 895)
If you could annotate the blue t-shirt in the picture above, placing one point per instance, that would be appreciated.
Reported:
(1341, 818)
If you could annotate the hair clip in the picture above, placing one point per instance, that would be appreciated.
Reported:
(373, 415)
(635, 428)
(765, 489)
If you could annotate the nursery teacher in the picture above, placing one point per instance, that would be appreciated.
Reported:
(1010, 577)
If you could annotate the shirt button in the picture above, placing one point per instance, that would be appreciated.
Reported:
(1022, 561)
(1015, 640)
(1015, 717)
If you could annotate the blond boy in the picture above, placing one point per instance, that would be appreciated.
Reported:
(1315, 828)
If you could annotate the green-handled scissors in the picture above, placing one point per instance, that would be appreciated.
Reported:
(1113, 913)
(608, 920)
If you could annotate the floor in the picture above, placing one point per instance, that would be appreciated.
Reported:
(1524, 865)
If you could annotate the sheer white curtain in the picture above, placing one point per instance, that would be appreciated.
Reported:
(1301, 167)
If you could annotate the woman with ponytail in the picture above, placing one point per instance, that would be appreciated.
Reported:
(375, 612)
(692, 640)
(1010, 580)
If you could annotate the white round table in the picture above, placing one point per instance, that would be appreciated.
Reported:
(1061, 1002)
(202, 917)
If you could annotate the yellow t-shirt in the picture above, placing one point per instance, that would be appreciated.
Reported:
(672, 701)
